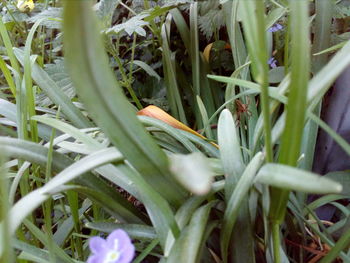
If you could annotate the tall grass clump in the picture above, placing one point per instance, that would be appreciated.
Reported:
(170, 131)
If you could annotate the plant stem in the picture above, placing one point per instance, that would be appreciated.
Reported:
(129, 87)
(276, 241)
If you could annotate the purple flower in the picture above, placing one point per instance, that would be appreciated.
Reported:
(275, 28)
(272, 62)
(116, 248)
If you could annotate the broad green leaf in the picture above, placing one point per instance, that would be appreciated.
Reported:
(105, 10)
(57, 72)
(52, 17)
(230, 150)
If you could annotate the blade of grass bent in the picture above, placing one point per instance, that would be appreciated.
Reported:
(9, 49)
(104, 99)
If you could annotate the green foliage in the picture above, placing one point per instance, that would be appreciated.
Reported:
(76, 161)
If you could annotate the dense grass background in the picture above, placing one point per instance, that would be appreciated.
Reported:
(230, 182)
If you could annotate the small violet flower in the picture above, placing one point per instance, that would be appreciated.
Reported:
(272, 62)
(275, 28)
(116, 248)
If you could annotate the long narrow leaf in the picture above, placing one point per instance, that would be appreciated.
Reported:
(239, 194)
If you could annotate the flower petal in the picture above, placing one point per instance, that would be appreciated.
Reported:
(128, 254)
(122, 238)
(97, 245)
(95, 259)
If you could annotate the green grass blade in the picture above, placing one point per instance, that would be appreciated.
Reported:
(8, 76)
(290, 178)
(194, 49)
(30, 99)
(5, 235)
(336, 137)
(173, 91)
(296, 108)
(296, 111)
(203, 111)
(187, 246)
(9, 48)
(182, 28)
